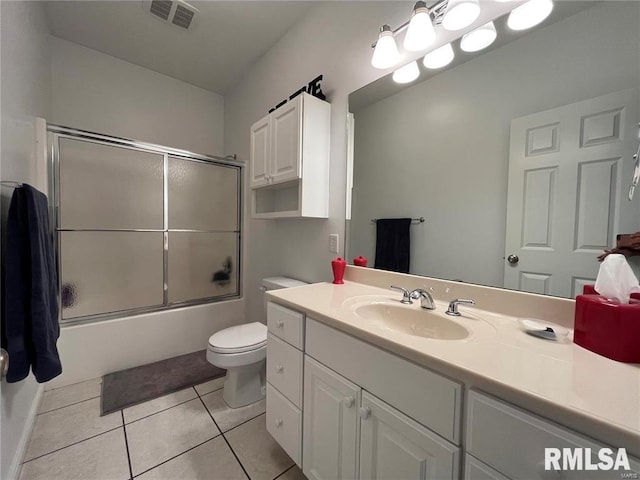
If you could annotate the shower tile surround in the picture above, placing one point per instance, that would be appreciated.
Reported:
(562, 382)
(175, 436)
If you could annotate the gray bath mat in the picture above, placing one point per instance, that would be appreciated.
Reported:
(146, 382)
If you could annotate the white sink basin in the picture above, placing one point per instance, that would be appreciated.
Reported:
(411, 321)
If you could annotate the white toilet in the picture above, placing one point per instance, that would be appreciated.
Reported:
(242, 350)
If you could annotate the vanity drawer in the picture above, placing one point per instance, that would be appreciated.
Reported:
(429, 398)
(286, 324)
(284, 368)
(284, 423)
(513, 441)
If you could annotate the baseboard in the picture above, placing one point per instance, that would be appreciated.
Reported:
(14, 470)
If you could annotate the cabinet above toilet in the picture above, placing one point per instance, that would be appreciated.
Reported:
(289, 162)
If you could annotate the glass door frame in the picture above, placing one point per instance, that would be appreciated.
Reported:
(55, 133)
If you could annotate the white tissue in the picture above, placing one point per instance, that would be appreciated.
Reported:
(616, 280)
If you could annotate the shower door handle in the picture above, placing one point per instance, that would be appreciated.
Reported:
(4, 362)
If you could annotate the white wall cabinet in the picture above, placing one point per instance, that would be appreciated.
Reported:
(290, 160)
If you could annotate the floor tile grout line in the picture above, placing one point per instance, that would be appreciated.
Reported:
(126, 444)
(72, 444)
(175, 456)
(290, 468)
(159, 411)
(168, 408)
(69, 405)
(225, 438)
(245, 421)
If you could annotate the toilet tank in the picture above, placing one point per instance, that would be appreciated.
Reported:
(275, 283)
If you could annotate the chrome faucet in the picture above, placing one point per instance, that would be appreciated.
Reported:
(426, 300)
(406, 295)
(453, 306)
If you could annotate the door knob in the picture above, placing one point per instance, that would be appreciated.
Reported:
(349, 401)
(4, 362)
(279, 368)
(278, 422)
(513, 259)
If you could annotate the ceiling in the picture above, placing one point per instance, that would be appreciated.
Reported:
(214, 54)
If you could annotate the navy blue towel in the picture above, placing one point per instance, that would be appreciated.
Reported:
(30, 322)
(392, 244)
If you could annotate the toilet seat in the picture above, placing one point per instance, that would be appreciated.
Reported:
(239, 339)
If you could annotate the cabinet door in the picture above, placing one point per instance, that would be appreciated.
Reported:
(260, 152)
(393, 446)
(286, 142)
(330, 422)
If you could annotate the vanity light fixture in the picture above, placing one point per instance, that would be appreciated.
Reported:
(386, 52)
(529, 14)
(420, 32)
(407, 73)
(479, 38)
(460, 14)
(439, 58)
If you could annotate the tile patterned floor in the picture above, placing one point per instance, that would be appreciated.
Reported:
(187, 435)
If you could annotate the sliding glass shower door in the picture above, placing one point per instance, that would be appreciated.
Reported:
(141, 229)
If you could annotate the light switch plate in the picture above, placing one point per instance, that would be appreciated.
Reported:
(334, 238)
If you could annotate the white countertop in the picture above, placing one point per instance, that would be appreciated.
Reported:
(558, 380)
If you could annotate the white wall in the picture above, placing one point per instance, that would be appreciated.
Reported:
(440, 149)
(25, 94)
(334, 40)
(97, 92)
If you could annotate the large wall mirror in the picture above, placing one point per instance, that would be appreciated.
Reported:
(524, 150)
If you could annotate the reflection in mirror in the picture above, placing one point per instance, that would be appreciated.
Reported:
(523, 151)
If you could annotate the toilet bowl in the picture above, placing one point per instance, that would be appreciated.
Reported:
(242, 351)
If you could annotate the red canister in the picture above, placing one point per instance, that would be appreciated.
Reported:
(338, 266)
(360, 261)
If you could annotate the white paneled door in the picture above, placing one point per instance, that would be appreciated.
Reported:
(569, 173)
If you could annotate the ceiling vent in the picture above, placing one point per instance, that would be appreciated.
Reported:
(174, 12)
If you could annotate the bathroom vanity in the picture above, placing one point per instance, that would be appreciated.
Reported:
(359, 387)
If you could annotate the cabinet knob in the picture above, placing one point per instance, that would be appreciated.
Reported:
(278, 422)
(280, 323)
(365, 412)
(279, 368)
(349, 401)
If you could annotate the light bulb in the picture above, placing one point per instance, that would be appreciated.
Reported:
(407, 73)
(460, 14)
(386, 53)
(439, 57)
(420, 33)
(529, 14)
(479, 38)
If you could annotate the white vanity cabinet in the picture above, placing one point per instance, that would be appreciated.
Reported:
(349, 433)
(284, 378)
(331, 422)
(361, 427)
(289, 160)
(510, 443)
